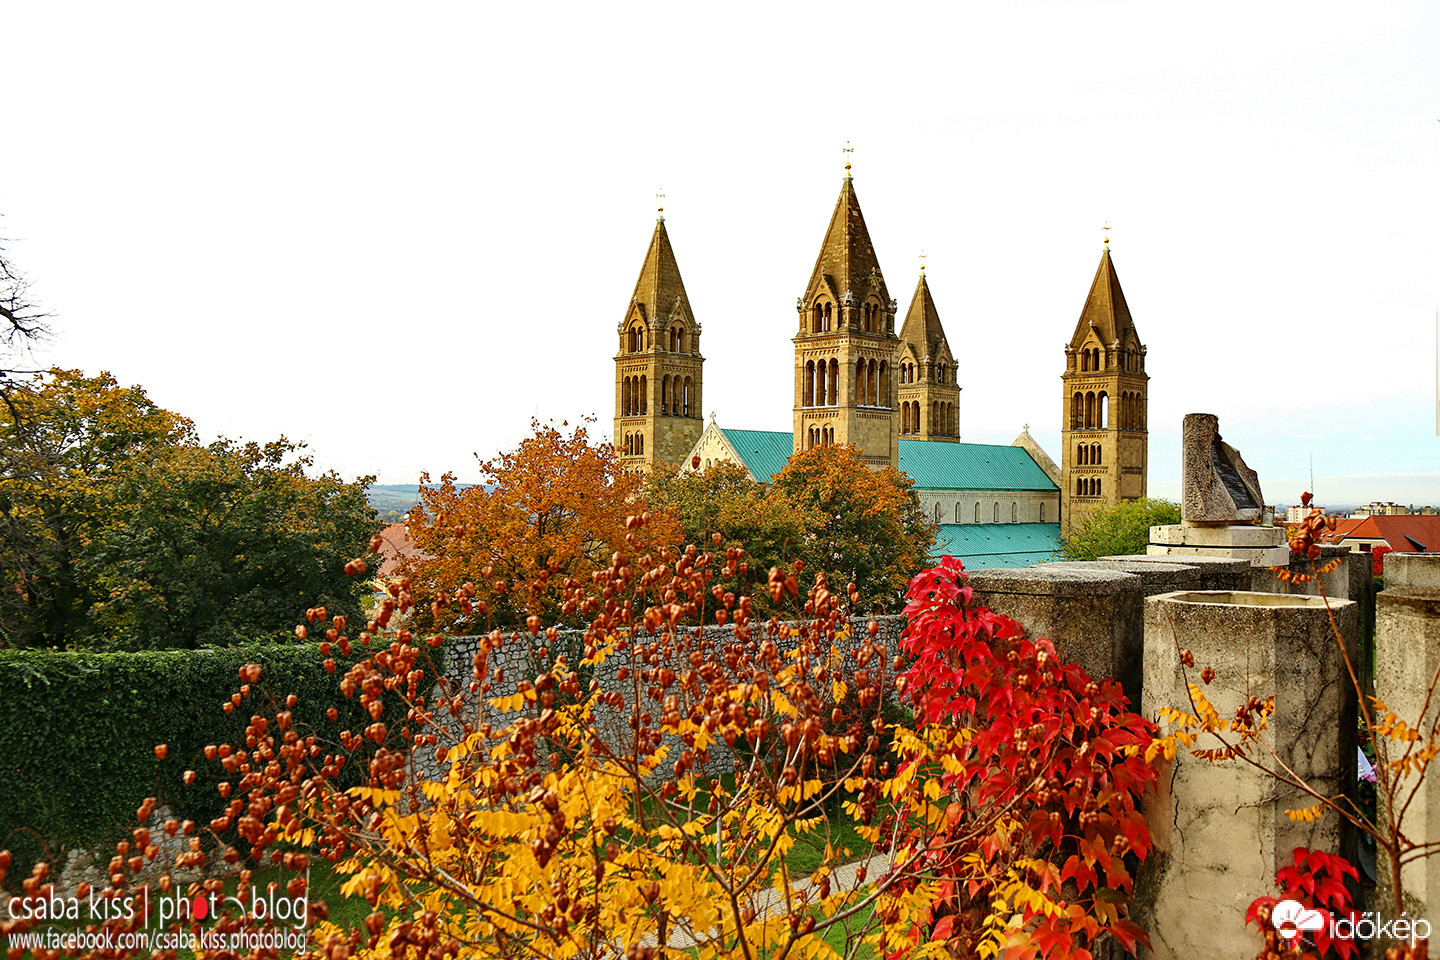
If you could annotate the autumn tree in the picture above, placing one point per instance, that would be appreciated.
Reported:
(1123, 528)
(121, 529)
(774, 529)
(550, 514)
(868, 526)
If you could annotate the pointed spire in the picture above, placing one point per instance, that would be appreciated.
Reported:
(847, 258)
(1105, 307)
(922, 329)
(660, 286)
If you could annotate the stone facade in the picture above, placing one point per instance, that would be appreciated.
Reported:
(658, 375)
(990, 506)
(846, 346)
(929, 394)
(1105, 388)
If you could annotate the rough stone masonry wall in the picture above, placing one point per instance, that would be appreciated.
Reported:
(518, 657)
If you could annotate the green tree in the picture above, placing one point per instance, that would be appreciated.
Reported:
(772, 527)
(1123, 528)
(869, 528)
(121, 529)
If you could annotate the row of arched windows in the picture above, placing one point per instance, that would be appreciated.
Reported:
(822, 383)
(870, 317)
(869, 378)
(1089, 359)
(987, 513)
(1087, 486)
(907, 372)
(634, 444)
(1132, 410)
(635, 341)
(637, 338)
(822, 318)
(633, 397)
(675, 396)
(943, 419)
(819, 437)
(1089, 411)
(1087, 454)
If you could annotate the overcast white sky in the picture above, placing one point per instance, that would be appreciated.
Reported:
(399, 232)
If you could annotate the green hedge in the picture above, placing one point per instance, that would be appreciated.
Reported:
(78, 732)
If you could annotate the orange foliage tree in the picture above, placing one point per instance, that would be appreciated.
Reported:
(553, 515)
(870, 530)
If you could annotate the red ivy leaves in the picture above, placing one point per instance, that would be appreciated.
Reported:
(1061, 754)
(1317, 880)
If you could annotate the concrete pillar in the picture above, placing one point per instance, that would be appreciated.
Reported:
(1216, 573)
(1219, 829)
(1407, 648)
(1420, 571)
(1093, 614)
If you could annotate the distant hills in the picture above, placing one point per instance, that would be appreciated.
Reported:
(392, 500)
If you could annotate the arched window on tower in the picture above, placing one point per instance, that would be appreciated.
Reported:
(817, 318)
(807, 395)
(1077, 411)
(885, 398)
(872, 389)
(644, 396)
(834, 381)
(686, 388)
(665, 396)
(1089, 411)
(1104, 411)
(827, 316)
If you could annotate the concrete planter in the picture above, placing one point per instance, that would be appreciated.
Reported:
(1220, 829)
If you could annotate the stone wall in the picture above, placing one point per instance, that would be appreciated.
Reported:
(518, 658)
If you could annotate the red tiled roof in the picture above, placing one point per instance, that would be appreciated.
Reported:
(1425, 530)
(396, 544)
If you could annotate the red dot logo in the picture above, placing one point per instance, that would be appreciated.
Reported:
(200, 909)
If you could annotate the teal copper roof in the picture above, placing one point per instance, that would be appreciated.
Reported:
(764, 451)
(986, 545)
(971, 466)
(931, 464)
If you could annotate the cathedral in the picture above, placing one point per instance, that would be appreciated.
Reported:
(896, 398)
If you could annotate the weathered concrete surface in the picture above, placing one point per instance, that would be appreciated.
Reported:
(1407, 648)
(1216, 486)
(1094, 615)
(1263, 545)
(1216, 573)
(1154, 577)
(1337, 582)
(1219, 829)
(1419, 571)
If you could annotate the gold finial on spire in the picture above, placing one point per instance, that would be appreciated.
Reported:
(848, 149)
(922, 263)
(1106, 230)
(660, 208)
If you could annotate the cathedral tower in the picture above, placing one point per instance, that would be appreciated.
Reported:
(1104, 426)
(929, 394)
(846, 348)
(658, 369)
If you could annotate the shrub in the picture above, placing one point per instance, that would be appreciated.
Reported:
(78, 759)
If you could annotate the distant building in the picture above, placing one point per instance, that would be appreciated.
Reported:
(1381, 508)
